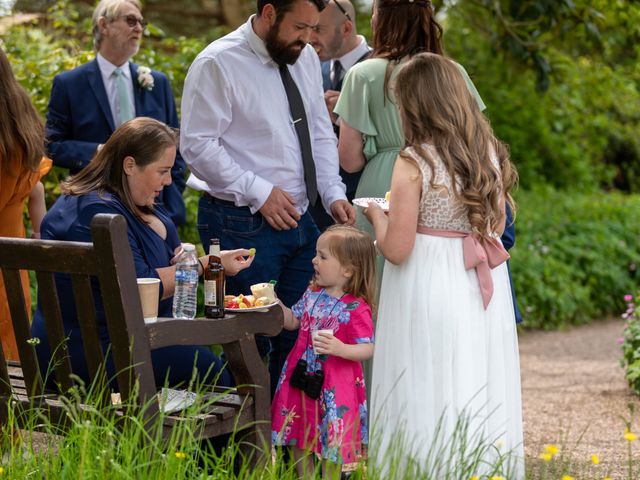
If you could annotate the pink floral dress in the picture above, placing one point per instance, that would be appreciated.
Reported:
(335, 425)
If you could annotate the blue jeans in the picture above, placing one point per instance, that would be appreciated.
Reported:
(282, 255)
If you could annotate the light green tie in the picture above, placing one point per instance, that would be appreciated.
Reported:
(126, 112)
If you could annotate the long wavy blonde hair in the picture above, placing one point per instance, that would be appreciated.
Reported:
(437, 108)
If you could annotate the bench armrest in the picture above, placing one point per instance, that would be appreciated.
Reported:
(205, 331)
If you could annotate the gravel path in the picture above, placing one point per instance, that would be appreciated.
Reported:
(572, 387)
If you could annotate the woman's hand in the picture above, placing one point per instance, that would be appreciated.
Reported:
(176, 255)
(234, 261)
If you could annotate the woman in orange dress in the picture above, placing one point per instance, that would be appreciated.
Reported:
(22, 164)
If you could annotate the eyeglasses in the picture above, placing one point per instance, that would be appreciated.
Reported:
(341, 8)
(132, 21)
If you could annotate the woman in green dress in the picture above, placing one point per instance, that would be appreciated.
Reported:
(370, 132)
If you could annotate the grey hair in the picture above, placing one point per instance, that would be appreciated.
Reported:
(108, 9)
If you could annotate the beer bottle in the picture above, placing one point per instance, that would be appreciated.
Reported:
(214, 283)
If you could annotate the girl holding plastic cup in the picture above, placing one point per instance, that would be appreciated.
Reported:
(320, 403)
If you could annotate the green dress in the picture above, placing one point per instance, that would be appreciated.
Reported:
(364, 107)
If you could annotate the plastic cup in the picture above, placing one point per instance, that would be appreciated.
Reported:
(314, 335)
(149, 290)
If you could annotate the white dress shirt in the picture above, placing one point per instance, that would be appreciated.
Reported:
(109, 80)
(349, 59)
(237, 134)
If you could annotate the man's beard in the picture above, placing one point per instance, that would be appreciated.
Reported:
(282, 53)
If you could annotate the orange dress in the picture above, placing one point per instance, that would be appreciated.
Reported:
(15, 186)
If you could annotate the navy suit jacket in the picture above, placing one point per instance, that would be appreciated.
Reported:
(79, 118)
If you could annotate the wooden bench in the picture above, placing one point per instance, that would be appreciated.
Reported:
(109, 259)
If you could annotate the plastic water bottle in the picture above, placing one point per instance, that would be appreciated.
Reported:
(185, 297)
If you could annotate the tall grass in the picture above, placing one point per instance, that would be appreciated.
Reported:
(109, 441)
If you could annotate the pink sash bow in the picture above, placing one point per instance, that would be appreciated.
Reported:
(483, 256)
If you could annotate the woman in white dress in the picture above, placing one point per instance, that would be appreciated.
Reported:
(446, 396)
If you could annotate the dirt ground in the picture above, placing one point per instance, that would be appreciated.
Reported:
(574, 394)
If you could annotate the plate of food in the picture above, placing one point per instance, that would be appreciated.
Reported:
(262, 297)
(364, 202)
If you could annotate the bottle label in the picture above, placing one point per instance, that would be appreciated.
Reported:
(186, 275)
(210, 293)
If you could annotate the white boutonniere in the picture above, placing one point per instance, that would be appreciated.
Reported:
(145, 79)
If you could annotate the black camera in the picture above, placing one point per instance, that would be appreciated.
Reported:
(299, 376)
(310, 383)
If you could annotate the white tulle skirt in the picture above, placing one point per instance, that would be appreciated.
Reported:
(446, 374)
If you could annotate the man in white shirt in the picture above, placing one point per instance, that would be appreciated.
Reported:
(89, 102)
(339, 47)
(259, 158)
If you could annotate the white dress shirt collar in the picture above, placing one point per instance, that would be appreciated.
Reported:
(349, 59)
(107, 68)
(256, 43)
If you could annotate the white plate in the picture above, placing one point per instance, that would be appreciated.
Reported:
(364, 202)
(250, 309)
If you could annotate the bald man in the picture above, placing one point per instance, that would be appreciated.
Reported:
(339, 47)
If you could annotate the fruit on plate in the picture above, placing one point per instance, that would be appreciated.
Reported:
(245, 301)
(387, 196)
(260, 290)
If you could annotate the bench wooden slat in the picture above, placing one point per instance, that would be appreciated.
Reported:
(21, 325)
(55, 329)
(47, 255)
(86, 309)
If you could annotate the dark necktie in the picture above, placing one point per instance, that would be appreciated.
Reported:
(337, 76)
(302, 129)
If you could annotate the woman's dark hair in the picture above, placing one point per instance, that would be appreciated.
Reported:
(21, 127)
(403, 29)
(142, 138)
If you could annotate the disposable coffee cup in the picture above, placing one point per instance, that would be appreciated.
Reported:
(314, 335)
(149, 290)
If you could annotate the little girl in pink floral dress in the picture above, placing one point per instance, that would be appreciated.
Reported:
(320, 404)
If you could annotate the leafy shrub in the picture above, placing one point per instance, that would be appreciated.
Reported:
(631, 342)
(576, 255)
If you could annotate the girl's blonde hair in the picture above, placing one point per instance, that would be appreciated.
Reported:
(436, 107)
(355, 250)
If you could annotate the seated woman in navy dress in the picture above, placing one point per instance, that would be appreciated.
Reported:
(125, 177)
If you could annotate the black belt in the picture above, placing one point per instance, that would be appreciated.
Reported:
(218, 201)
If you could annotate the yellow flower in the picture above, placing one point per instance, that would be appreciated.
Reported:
(629, 436)
(551, 449)
(496, 478)
(594, 459)
(475, 478)
(546, 457)
(607, 478)
(567, 477)
(181, 455)
(1, 470)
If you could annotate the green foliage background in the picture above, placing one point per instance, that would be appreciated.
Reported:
(575, 142)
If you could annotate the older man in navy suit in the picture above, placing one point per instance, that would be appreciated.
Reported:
(89, 102)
